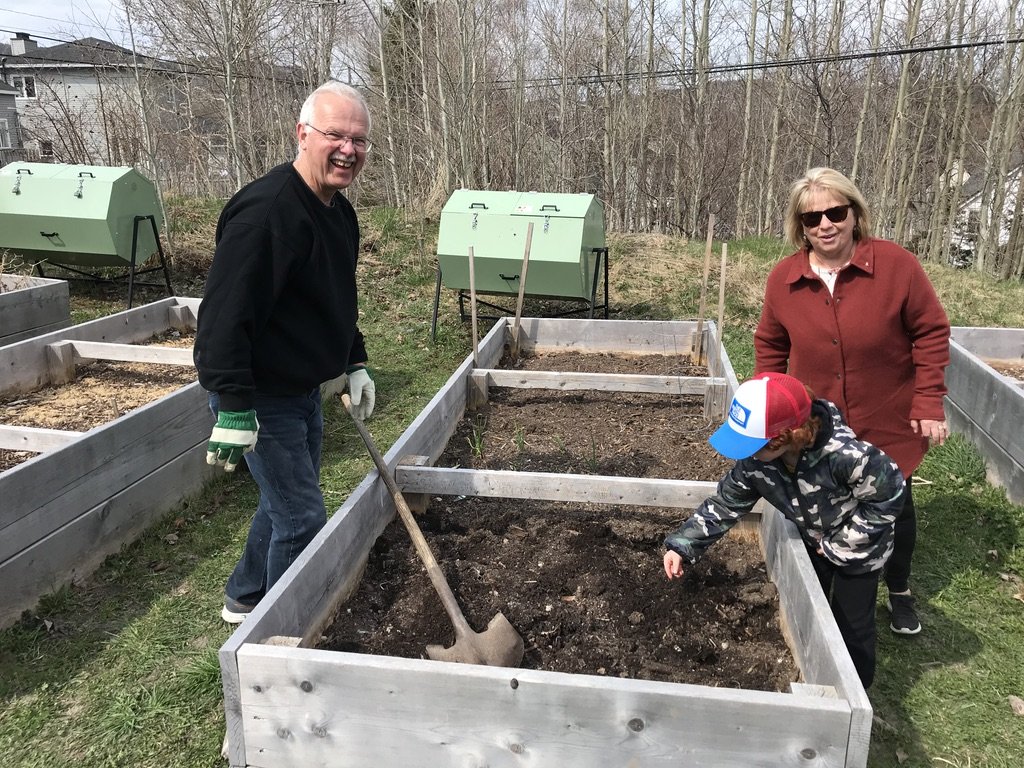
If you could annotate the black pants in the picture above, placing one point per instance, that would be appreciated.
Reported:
(853, 605)
(897, 570)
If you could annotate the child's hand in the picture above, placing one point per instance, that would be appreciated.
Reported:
(673, 565)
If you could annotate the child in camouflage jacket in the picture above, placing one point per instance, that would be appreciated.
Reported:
(842, 493)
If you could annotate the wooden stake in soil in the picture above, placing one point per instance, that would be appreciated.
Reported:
(721, 319)
(472, 303)
(514, 346)
(697, 346)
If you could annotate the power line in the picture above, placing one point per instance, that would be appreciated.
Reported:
(597, 78)
(762, 65)
(70, 23)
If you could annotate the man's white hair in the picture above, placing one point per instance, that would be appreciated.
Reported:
(338, 88)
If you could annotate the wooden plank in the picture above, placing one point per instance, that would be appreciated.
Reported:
(132, 353)
(24, 363)
(182, 318)
(646, 337)
(29, 333)
(35, 439)
(49, 491)
(817, 691)
(991, 402)
(995, 343)
(603, 382)
(315, 708)
(477, 391)
(810, 629)
(31, 306)
(418, 503)
(1001, 468)
(78, 548)
(552, 486)
(60, 363)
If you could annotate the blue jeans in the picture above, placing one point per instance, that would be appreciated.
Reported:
(286, 466)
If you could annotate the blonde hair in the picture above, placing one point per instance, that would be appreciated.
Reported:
(825, 180)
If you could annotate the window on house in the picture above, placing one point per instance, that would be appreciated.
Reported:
(26, 85)
(46, 149)
(5, 135)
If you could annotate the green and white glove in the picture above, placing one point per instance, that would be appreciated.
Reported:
(361, 390)
(233, 436)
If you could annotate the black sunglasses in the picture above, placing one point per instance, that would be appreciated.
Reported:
(836, 214)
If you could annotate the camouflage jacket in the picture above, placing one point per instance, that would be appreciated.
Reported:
(843, 497)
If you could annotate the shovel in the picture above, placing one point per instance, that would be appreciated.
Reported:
(499, 645)
(514, 346)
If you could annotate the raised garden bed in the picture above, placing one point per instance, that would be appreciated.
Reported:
(31, 306)
(986, 400)
(582, 583)
(88, 492)
(289, 703)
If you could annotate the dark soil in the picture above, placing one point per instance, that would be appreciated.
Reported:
(583, 584)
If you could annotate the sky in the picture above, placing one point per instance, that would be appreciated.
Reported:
(53, 21)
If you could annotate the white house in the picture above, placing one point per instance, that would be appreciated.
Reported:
(966, 225)
(81, 102)
(10, 132)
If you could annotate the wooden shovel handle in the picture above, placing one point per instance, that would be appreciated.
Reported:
(437, 578)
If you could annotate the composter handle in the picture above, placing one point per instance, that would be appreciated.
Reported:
(478, 205)
(549, 207)
(50, 234)
(86, 173)
(508, 277)
(24, 170)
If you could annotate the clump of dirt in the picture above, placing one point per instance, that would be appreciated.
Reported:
(583, 584)
(101, 392)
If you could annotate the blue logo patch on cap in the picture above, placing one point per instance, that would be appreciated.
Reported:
(739, 414)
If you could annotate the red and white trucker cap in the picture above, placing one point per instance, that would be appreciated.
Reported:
(761, 409)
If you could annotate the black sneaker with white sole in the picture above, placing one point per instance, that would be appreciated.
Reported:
(235, 612)
(902, 616)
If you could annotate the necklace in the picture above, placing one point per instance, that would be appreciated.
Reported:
(830, 271)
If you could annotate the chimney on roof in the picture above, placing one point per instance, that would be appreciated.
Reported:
(21, 43)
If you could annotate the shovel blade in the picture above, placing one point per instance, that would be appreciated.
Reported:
(497, 646)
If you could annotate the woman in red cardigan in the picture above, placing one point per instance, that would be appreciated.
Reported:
(856, 319)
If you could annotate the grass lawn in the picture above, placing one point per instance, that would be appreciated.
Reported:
(121, 670)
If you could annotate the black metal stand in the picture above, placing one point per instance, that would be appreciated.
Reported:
(600, 265)
(132, 272)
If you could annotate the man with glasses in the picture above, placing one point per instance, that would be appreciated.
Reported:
(278, 318)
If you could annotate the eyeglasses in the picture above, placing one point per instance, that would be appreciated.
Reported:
(836, 214)
(359, 143)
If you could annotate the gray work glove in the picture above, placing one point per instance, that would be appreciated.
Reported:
(233, 436)
(361, 391)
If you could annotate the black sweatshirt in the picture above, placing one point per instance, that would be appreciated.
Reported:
(279, 313)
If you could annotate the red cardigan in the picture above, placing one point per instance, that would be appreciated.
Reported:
(877, 348)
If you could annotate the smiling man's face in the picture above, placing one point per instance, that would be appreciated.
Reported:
(325, 162)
